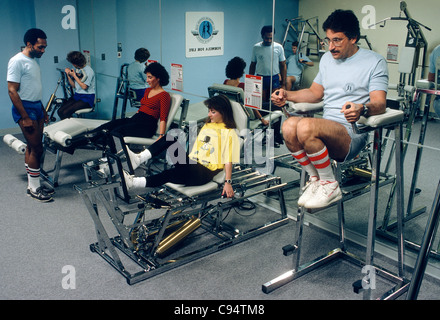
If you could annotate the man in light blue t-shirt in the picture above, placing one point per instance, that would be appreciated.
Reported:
(25, 92)
(352, 82)
(272, 67)
(261, 62)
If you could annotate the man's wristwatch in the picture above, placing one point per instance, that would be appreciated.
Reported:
(365, 110)
(228, 181)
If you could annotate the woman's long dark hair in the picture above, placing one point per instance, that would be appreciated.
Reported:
(221, 103)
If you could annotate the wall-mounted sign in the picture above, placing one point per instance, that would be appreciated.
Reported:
(392, 51)
(253, 91)
(204, 34)
(176, 77)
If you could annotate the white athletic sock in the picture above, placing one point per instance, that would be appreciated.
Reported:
(33, 178)
(304, 161)
(139, 182)
(321, 161)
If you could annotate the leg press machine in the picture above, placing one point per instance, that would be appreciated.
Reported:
(142, 235)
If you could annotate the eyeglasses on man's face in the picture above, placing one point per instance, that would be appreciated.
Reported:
(337, 42)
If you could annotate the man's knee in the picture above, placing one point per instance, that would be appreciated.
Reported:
(35, 148)
(305, 129)
(289, 127)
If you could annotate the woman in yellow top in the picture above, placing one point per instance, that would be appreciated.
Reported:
(216, 148)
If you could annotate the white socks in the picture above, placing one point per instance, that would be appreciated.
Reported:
(321, 161)
(304, 161)
(134, 182)
(139, 182)
(33, 178)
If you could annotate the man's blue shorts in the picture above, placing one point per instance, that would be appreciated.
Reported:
(34, 110)
(358, 142)
(275, 82)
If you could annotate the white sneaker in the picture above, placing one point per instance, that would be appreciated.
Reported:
(128, 178)
(326, 194)
(308, 191)
(135, 159)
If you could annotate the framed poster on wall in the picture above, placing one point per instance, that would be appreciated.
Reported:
(204, 34)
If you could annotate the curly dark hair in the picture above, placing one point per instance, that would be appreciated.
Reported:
(235, 68)
(76, 58)
(141, 54)
(343, 21)
(32, 36)
(157, 70)
(222, 104)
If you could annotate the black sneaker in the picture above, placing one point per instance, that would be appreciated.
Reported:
(48, 190)
(40, 195)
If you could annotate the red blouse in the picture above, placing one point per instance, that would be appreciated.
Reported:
(157, 106)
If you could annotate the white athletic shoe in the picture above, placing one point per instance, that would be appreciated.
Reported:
(326, 194)
(135, 159)
(128, 178)
(308, 191)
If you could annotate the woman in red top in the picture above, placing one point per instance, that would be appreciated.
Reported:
(155, 106)
(156, 101)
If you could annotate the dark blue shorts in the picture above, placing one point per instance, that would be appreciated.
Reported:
(87, 98)
(34, 110)
(275, 82)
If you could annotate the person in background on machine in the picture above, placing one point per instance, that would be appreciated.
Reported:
(296, 63)
(435, 54)
(82, 78)
(353, 82)
(137, 79)
(25, 92)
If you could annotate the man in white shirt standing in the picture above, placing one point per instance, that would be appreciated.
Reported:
(272, 67)
(25, 92)
(353, 82)
(261, 62)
